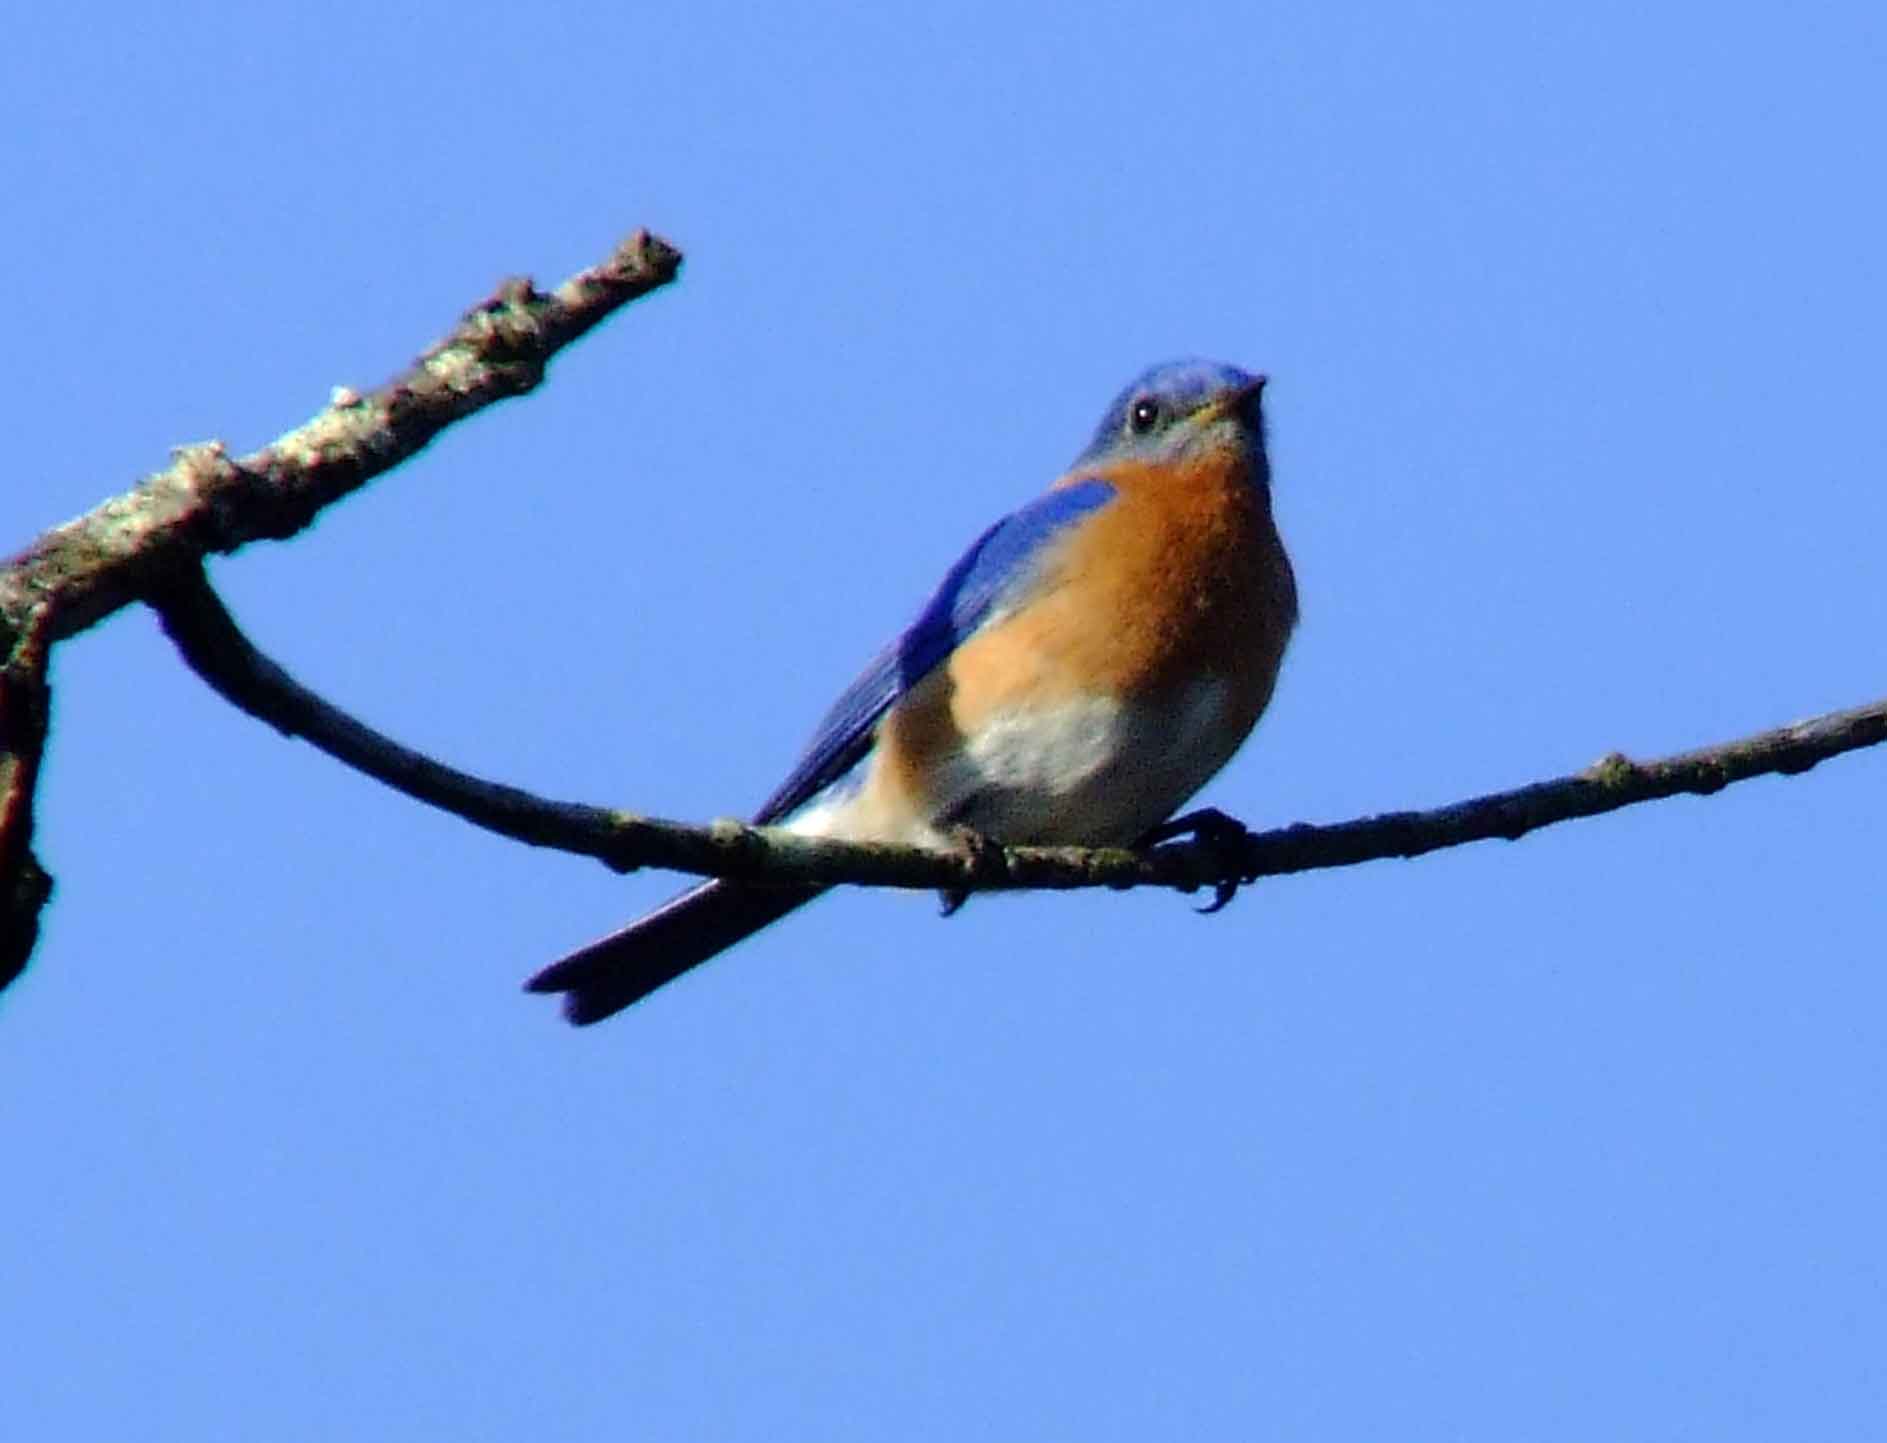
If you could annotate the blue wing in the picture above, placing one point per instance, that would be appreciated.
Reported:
(998, 564)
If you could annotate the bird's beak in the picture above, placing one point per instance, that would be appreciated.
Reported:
(1246, 398)
(1244, 402)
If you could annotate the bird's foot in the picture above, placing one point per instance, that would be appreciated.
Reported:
(978, 850)
(1221, 835)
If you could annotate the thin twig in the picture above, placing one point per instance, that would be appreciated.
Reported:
(210, 642)
(216, 649)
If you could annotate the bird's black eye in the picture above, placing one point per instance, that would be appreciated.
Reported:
(1143, 415)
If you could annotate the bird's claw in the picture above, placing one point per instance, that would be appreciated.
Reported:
(977, 850)
(1222, 835)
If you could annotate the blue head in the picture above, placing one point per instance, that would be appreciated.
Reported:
(1180, 408)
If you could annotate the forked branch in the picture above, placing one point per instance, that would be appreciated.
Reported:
(154, 537)
(149, 545)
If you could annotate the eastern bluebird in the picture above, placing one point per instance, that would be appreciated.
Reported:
(1090, 662)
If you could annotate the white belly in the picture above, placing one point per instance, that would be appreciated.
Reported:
(1093, 771)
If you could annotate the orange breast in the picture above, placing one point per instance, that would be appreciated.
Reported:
(1182, 576)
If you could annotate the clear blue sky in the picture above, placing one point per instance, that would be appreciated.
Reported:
(1574, 316)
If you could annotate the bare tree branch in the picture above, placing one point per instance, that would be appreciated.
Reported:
(207, 503)
(149, 545)
(137, 544)
(213, 645)
(210, 642)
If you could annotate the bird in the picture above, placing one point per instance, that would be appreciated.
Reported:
(1083, 669)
